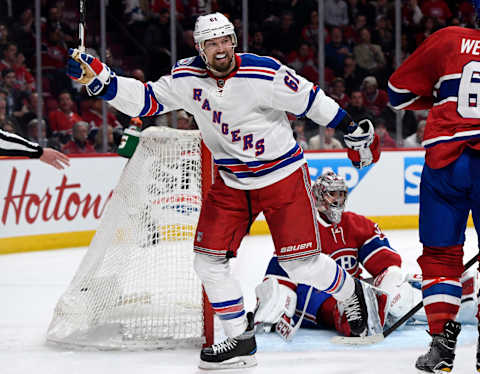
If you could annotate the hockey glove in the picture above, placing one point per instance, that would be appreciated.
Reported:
(363, 145)
(89, 71)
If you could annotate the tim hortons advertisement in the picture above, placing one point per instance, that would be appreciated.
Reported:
(37, 199)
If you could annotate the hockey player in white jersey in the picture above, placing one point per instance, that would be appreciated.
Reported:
(239, 102)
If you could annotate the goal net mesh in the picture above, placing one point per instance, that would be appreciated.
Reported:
(136, 287)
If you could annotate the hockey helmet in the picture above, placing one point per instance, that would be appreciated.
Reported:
(330, 191)
(211, 26)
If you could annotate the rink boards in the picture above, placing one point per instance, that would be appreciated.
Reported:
(42, 208)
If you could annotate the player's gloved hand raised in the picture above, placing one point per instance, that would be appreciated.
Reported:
(88, 70)
(363, 145)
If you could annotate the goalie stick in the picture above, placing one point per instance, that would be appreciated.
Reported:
(372, 339)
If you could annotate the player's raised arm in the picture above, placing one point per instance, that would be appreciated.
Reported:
(128, 95)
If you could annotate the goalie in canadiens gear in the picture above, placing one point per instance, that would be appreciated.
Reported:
(239, 102)
(354, 242)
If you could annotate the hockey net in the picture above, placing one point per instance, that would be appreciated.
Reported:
(136, 287)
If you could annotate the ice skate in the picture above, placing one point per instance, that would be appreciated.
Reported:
(232, 353)
(355, 310)
(440, 356)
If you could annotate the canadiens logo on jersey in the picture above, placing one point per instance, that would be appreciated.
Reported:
(347, 259)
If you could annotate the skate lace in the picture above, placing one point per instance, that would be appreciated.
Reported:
(352, 308)
(224, 346)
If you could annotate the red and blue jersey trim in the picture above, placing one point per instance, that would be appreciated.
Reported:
(338, 281)
(254, 169)
(400, 97)
(152, 106)
(229, 309)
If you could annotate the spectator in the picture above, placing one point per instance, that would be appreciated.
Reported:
(299, 133)
(139, 74)
(55, 22)
(257, 45)
(32, 131)
(310, 31)
(54, 57)
(329, 141)
(415, 140)
(9, 56)
(157, 42)
(383, 36)
(336, 13)
(284, 39)
(4, 37)
(61, 120)
(411, 13)
(374, 99)
(113, 63)
(187, 48)
(368, 56)
(407, 117)
(14, 96)
(428, 27)
(366, 8)
(337, 92)
(351, 75)
(336, 51)
(437, 9)
(24, 78)
(24, 31)
(79, 144)
(356, 109)
(111, 145)
(386, 141)
(301, 58)
(93, 115)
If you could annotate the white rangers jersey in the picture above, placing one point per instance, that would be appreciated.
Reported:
(242, 117)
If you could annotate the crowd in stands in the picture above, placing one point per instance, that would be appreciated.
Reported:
(359, 58)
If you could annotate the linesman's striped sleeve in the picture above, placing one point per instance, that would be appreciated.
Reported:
(14, 145)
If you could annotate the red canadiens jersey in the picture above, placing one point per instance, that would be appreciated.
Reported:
(357, 240)
(443, 75)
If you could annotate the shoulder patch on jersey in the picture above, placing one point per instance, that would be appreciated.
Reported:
(250, 59)
(194, 61)
(186, 61)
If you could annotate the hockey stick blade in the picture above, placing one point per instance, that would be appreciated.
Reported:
(358, 340)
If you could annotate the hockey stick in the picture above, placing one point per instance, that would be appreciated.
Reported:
(372, 339)
(81, 26)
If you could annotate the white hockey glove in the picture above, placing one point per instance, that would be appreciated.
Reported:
(275, 301)
(89, 71)
(363, 145)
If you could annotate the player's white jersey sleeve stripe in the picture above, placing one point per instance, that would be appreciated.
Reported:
(11, 144)
(152, 105)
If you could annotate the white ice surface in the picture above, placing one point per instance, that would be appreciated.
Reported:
(31, 283)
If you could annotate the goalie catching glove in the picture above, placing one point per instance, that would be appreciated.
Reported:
(91, 72)
(363, 144)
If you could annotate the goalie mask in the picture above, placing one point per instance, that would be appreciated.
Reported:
(212, 26)
(330, 191)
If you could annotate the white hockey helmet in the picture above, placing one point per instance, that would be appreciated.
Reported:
(211, 26)
(330, 191)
